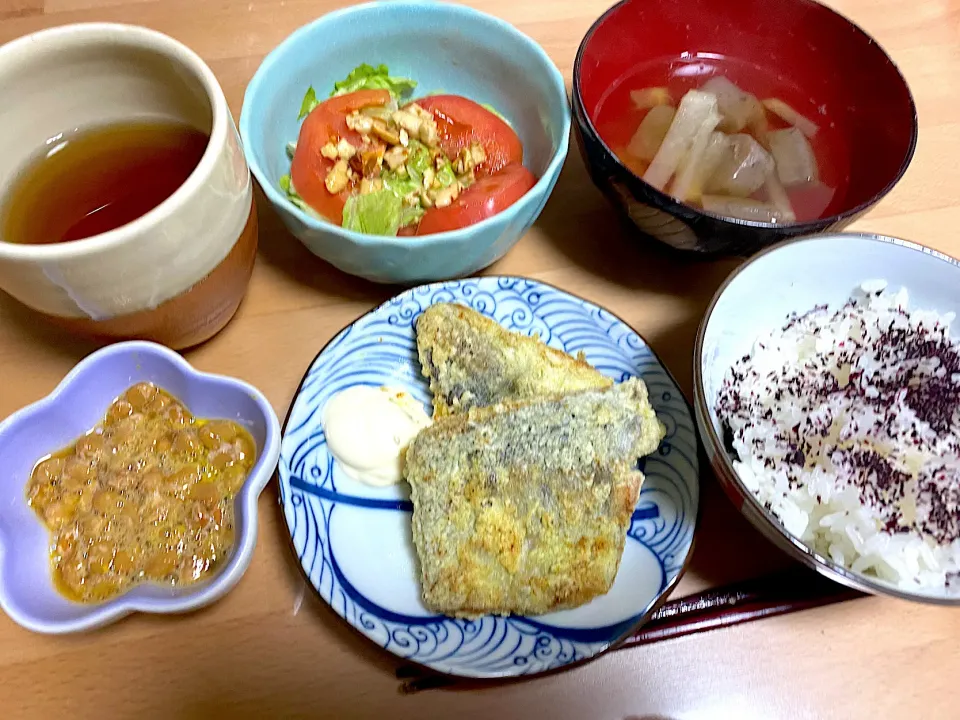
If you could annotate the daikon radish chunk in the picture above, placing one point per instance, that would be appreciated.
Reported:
(717, 147)
(743, 169)
(791, 117)
(649, 136)
(796, 163)
(778, 197)
(650, 98)
(736, 107)
(741, 208)
(688, 181)
(759, 126)
(696, 109)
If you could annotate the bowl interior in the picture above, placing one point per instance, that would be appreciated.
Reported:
(796, 277)
(797, 50)
(25, 575)
(445, 48)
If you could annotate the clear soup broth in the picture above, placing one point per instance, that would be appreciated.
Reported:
(618, 118)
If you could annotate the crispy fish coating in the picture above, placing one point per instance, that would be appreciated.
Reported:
(472, 361)
(523, 507)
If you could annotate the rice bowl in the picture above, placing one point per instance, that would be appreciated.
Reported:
(843, 426)
(847, 458)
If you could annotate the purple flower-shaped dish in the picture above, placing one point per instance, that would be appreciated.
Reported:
(27, 591)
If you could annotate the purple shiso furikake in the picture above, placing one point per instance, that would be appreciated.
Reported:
(845, 425)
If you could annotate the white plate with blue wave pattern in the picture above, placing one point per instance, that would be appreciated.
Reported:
(354, 541)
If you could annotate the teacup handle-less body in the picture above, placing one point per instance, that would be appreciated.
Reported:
(175, 275)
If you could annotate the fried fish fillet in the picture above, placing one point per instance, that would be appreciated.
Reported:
(523, 507)
(472, 361)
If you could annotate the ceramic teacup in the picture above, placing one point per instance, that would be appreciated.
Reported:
(175, 275)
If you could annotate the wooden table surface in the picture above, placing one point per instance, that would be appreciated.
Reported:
(272, 650)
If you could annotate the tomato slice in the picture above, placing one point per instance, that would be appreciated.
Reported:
(486, 197)
(462, 122)
(309, 168)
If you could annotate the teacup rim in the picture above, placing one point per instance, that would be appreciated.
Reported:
(144, 37)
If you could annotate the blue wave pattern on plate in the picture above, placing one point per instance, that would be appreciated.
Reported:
(380, 349)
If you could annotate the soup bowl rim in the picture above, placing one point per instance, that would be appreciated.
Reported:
(674, 207)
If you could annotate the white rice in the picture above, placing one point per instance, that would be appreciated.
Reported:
(846, 426)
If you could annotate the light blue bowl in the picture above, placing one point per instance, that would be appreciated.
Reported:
(448, 48)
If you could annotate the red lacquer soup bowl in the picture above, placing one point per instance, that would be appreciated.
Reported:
(797, 51)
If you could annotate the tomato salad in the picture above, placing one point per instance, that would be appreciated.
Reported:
(375, 162)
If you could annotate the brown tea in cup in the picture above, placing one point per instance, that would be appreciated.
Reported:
(95, 180)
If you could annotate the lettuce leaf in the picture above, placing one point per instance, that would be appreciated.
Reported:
(362, 77)
(399, 186)
(368, 77)
(402, 186)
(287, 186)
(418, 160)
(376, 213)
(445, 175)
(411, 214)
(309, 103)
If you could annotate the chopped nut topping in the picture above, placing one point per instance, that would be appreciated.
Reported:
(386, 134)
(345, 149)
(469, 158)
(445, 196)
(427, 130)
(395, 157)
(415, 109)
(478, 153)
(359, 123)
(404, 137)
(329, 151)
(336, 180)
(428, 177)
(429, 135)
(408, 121)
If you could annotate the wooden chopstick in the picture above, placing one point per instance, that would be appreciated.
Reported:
(778, 594)
(785, 592)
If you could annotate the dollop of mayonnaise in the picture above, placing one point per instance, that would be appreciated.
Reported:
(368, 429)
